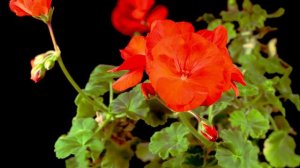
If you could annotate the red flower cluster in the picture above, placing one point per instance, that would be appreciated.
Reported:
(35, 8)
(186, 68)
(131, 16)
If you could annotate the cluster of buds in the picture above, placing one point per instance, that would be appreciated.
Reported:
(41, 63)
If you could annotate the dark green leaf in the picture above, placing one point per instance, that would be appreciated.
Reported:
(279, 150)
(170, 141)
(207, 17)
(132, 104)
(236, 151)
(282, 123)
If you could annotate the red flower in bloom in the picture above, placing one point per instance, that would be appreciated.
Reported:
(130, 16)
(134, 61)
(209, 132)
(231, 74)
(35, 8)
(185, 69)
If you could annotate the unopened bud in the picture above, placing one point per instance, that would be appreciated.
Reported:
(209, 132)
(49, 64)
(148, 90)
(37, 73)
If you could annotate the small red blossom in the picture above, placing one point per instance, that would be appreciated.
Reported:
(35, 8)
(134, 62)
(147, 90)
(131, 16)
(209, 132)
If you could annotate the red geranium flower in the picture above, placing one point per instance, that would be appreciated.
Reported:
(134, 61)
(231, 74)
(130, 16)
(35, 8)
(184, 68)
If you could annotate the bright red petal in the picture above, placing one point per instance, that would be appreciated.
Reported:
(128, 80)
(132, 63)
(218, 36)
(180, 95)
(158, 13)
(136, 46)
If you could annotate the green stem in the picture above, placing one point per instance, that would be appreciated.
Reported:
(111, 92)
(101, 107)
(183, 118)
(273, 123)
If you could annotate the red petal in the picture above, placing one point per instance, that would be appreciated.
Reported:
(158, 13)
(132, 63)
(136, 46)
(165, 28)
(180, 95)
(218, 36)
(147, 90)
(128, 80)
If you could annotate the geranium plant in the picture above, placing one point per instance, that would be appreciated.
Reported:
(212, 96)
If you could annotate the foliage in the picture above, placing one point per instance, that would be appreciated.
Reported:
(252, 127)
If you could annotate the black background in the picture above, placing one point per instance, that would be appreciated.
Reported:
(33, 116)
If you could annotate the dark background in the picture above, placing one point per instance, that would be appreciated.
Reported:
(35, 115)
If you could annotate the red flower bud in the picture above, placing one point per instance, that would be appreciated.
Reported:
(147, 90)
(209, 132)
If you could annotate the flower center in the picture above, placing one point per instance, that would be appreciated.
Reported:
(185, 74)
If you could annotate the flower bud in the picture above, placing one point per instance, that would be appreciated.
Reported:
(37, 73)
(209, 132)
(148, 90)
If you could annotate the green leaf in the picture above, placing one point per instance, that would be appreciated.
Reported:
(235, 151)
(65, 146)
(170, 141)
(156, 163)
(213, 24)
(231, 30)
(276, 14)
(117, 156)
(248, 90)
(158, 114)
(279, 150)
(173, 163)
(259, 16)
(284, 87)
(272, 65)
(207, 17)
(81, 141)
(142, 152)
(97, 86)
(268, 88)
(132, 104)
(282, 124)
(251, 122)
(84, 108)
(71, 163)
